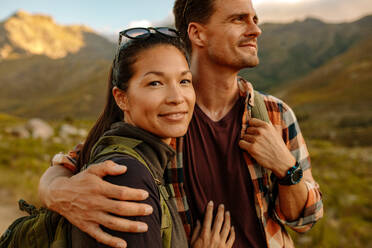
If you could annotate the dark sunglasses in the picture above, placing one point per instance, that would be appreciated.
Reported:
(137, 34)
(143, 33)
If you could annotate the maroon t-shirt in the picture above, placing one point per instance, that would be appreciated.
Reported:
(215, 170)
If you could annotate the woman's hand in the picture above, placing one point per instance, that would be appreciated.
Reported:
(86, 200)
(214, 237)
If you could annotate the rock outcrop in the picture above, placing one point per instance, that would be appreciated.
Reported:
(24, 33)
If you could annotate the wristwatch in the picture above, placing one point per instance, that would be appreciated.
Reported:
(293, 175)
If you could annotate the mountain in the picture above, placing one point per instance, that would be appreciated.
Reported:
(51, 71)
(290, 51)
(335, 100)
(24, 34)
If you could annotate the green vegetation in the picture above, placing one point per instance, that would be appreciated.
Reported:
(345, 178)
(334, 101)
(344, 175)
(22, 161)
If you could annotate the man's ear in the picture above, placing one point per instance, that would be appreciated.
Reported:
(197, 34)
(120, 98)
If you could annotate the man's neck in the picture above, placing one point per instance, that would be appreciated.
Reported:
(215, 86)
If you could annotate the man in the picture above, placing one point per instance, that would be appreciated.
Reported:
(259, 171)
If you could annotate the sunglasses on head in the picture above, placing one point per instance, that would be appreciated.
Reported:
(140, 33)
(143, 33)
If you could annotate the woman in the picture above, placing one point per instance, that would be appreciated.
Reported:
(150, 100)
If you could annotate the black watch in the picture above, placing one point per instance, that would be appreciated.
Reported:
(293, 175)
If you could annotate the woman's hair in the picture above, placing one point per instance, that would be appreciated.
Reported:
(120, 74)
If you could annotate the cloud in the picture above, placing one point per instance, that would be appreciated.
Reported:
(327, 10)
(167, 21)
(139, 23)
(290, 10)
(278, 11)
(112, 34)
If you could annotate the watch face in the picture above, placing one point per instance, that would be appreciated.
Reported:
(296, 176)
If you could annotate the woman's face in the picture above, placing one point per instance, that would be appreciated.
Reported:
(160, 98)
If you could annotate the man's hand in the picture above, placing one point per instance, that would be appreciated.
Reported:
(267, 147)
(88, 201)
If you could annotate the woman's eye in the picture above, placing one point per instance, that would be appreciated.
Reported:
(185, 81)
(154, 83)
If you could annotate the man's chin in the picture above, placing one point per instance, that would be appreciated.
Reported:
(249, 63)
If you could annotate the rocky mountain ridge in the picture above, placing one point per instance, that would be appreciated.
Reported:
(26, 34)
(40, 85)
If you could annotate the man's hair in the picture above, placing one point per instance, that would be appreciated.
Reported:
(186, 11)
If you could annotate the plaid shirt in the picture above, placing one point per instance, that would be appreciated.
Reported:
(265, 190)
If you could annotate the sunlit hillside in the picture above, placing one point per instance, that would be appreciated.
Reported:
(52, 71)
(335, 101)
(290, 51)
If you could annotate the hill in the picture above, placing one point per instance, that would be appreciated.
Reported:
(51, 71)
(336, 98)
(25, 34)
(290, 51)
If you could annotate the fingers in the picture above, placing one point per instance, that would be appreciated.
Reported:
(106, 168)
(125, 208)
(208, 218)
(105, 238)
(226, 227)
(231, 240)
(121, 224)
(252, 131)
(245, 145)
(196, 232)
(254, 122)
(218, 221)
(249, 138)
(123, 193)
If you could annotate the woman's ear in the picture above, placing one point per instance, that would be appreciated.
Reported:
(197, 34)
(120, 98)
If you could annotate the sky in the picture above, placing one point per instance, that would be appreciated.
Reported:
(111, 16)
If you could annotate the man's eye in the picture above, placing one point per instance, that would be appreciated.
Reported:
(239, 18)
(154, 83)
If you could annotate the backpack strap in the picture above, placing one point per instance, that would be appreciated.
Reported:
(117, 145)
(259, 110)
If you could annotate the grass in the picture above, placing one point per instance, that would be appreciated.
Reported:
(344, 174)
(345, 177)
(22, 161)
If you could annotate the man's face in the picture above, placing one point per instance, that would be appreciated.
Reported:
(232, 34)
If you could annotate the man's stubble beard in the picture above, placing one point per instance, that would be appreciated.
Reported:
(237, 63)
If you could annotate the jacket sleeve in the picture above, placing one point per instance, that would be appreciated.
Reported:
(295, 142)
(138, 176)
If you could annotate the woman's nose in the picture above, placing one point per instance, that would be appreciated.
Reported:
(174, 94)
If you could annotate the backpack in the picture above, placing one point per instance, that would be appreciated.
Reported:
(43, 228)
(259, 110)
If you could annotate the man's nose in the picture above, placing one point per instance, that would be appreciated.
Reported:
(253, 29)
